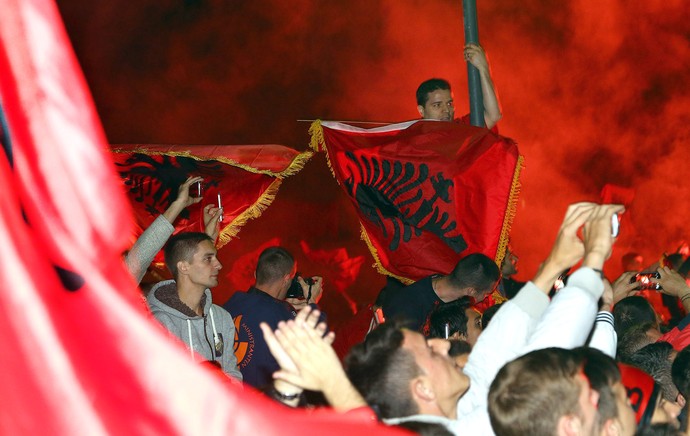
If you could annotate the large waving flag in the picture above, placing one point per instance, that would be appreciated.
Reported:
(246, 177)
(78, 354)
(426, 192)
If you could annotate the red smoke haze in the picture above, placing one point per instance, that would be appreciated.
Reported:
(593, 92)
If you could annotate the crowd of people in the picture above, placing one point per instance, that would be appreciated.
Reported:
(565, 354)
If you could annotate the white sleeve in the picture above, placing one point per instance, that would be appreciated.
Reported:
(570, 316)
(501, 342)
(604, 337)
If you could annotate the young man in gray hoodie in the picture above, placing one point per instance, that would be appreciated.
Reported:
(184, 305)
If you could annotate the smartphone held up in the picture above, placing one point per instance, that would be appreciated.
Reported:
(196, 189)
(645, 282)
(615, 225)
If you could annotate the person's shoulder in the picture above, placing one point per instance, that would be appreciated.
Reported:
(419, 284)
(256, 303)
(240, 298)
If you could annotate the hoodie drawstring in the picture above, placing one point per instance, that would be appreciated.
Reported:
(216, 340)
(191, 341)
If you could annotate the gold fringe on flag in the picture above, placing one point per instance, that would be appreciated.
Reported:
(254, 211)
(262, 203)
(510, 212)
(317, 142)
(377, 262)
(296, 165)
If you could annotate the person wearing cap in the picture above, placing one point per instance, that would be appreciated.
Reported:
(646, 400)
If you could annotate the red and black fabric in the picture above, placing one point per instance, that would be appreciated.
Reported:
(247, 177)
(79, 355)
(679, 336)
(642, 392)
(427, 193)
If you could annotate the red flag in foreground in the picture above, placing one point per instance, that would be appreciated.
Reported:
(246, 177)
(78, 354)
(427, 193)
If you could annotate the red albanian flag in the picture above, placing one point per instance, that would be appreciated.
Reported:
(78, 354)
(427, 193)
(246, 177)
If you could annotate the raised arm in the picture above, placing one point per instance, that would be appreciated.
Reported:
(475, 55)
(568, 248)
(512, 326)
(570, 316)
(674, 284)
(156, 235)
(212, 216)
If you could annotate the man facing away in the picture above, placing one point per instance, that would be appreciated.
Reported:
(435, 98)
(184, 305)
(264, 302)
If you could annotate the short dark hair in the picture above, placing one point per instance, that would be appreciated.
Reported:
(181, 247)
(680, 372)
(476, 271)
(429, 86)
(632, 311)
(453, 314)
(602, 372)
(655, 360)
(633, 339)
(381, 369)
(274, 263)
(531, 393)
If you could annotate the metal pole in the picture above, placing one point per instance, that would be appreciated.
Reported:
(469, 12)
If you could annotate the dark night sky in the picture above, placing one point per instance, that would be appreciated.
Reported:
(593, 92)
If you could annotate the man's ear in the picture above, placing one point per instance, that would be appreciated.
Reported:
(421, 389)
(611, 428)
(569, 425)
(420, 109)
(182, 267)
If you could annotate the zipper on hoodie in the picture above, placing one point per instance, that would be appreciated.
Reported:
(213, 350)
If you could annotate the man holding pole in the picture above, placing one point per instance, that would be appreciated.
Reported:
(484, 109)
(435, 98)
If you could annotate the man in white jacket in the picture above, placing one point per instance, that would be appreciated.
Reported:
(525, 323)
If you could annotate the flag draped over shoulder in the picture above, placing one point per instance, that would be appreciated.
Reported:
(79, 355)
(427, 193)
(247, 177)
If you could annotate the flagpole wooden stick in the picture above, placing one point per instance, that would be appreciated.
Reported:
(469, 13)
